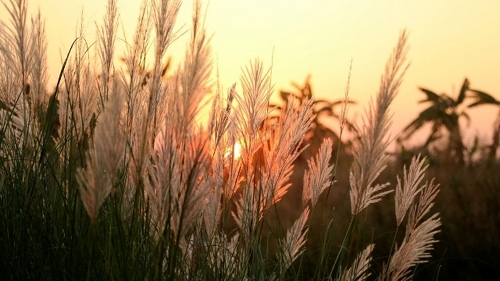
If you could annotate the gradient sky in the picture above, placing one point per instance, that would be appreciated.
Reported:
(449, 40)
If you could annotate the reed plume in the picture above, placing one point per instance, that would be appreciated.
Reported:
(370, 158)
(104, 157)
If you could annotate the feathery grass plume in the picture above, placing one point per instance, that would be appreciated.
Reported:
(212, 212)
(181, 147)
(18, 39)
(17, 53)
(78, 101)
(419, 237)
(428, 194)
(179, 181)
(267, 156)
(292, 246)
(38, 73)
(164, 14)
(359, 268)
(178, 185)
(22, 82)
(233, 163)
(104, 157)
(191, 83)
(77, 106)
(249, 114)
(106, 46)
(369, 149)
(343, 121)
(218, 122)
(406, 191)
(164, 175)
(164, 17)
(319, 175)
(134, 77)
(180, 101)
(223, 162)
(283, 147)
(10, 125)
(266, 160)
(253, 103)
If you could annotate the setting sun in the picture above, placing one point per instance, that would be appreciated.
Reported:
(234, 152)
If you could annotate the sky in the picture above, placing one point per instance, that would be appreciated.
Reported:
(449, 40)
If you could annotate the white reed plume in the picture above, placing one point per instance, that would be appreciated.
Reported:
(268, 162)
(419, 237)
(38, 75)
(359, 269)
(178, 184)
(164, 14)
(319, 175)
(180, 167)
(78, 108)
(106, 45)
(224, 164)
(369, 149)
(409, 188)
(18, 39)
(292, 245)
(137, 98)
(284, 146)
(104, 157)
(191, 83)
(248, 117)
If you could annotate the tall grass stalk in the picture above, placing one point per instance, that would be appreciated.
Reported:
(111, 177)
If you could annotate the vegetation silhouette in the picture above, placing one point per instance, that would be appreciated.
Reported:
(482, 98)
(326, 116)
(444, 112)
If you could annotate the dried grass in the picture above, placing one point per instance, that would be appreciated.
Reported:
(370, 157)
(160, 197)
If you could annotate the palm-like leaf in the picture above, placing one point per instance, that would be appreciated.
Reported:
(482, 98)
(463, 90)
(428, 115)
(431, 96)
(321, 106)
(443, 112)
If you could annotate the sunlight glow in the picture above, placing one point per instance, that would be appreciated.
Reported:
(235, 152)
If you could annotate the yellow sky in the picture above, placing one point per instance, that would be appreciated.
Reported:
(449, 40)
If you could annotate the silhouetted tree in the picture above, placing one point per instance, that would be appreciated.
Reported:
(482, 98)
(444, 113)
(322, 108)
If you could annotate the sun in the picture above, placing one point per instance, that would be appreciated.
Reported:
(236, 151)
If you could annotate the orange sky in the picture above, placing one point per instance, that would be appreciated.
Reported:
(449, 40)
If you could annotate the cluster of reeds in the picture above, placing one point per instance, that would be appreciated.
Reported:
(110, 177)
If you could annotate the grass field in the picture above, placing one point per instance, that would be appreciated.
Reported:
(110, 177)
